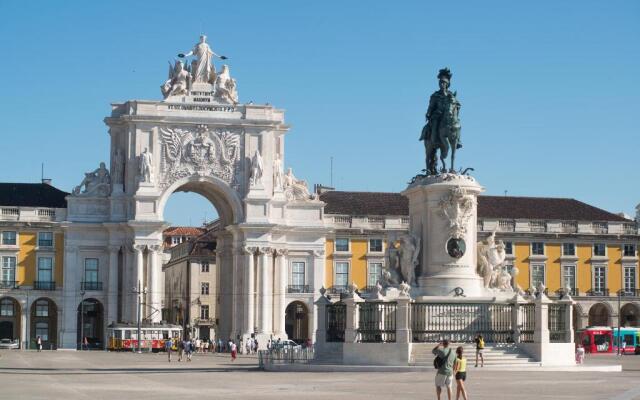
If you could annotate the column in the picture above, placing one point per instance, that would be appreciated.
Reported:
(249, 289)
(24, 325)
(112, 288)
(155, 309)
(139, 282)
(265, 312)
(403, 325)
(319, 265)
(68, 321)
(281, 303)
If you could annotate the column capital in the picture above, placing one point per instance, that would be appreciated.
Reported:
(281, 252)
(155, 248)
(249, 250)
(318, 253)
(266, 250)
(114, 248)
(139, 247)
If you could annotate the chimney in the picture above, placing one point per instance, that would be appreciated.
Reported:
(47, 181)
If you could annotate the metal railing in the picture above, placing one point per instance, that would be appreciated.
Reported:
(629, 293)
(9, 284)
(336, 322)
(338, 289)
(91, 285)
(572, 292)
(299, 289)
(557, 321)
(377, 322)
(433, 322)
(44, 285)
(598, 292)
(293, 355)
(526, 322)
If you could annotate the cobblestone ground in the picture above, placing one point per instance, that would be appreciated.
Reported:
(121, 376)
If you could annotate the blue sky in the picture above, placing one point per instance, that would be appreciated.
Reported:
(549, 89)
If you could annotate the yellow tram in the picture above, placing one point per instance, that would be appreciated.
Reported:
(124, 337)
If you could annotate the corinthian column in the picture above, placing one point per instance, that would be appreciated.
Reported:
(283, 277)
(265, 292)
(112, 288)
(139, 249)
(249, 289)
(155, 292)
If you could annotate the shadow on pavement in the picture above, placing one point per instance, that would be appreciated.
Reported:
(115, 371)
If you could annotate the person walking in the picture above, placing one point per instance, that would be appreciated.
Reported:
(168, 344)
(479, 350)
(460, 373)
(39, 344)
(188, 347)
(580, 354)
(623, 347)
(445, 358)
(234, 351)
(181, 343)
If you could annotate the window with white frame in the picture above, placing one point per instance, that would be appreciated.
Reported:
(599, 249)
(42, 330)
(204, 312)
(45, 269)
(7, 308)
(375, 245)
(42, 308)
(568, 249)
(569, 276)
(630, 279)
(45, 239)
(176, 240)
(204, 266)
(374, 274)
(8, 269)
(9, 238)
(342, 245)
(204, 287)
(297, 273)
(537, 275)
(599, 279)
(629, 250)
(91, 270)
(508, 248)
(537, 248)
(342, 274)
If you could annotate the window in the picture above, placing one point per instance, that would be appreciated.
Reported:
(630, 279)
(568, 249)
(8, 269)
(342, 274)
(9, 238)
(375, 273)
(537, 248)
(45, 269)
(91, 270)
(537, 275)
(297, 273)
(375, 245)
(42, 330)
(204, 312)
(176, 240)
(342, 244)
(599, 279)
(6, 308)
(508, 248)
(204, 287)
(569, 276)
(204, 267)
(629, 250)
(599, 249)
(45, 239)
(42, 308)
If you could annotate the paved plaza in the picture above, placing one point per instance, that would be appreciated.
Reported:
(102, 375)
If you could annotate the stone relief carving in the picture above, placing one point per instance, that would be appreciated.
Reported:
(457, 207)
(226, 88)
(117, 166)
(145, 166)
(295, 189)
(491, 257)
(189, 151)
(257, 168)
(95, 183)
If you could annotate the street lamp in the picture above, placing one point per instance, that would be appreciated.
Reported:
(139, 291)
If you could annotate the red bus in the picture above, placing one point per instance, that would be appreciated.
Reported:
(596, 339)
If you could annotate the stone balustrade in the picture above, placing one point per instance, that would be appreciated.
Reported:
(32, 214)
(542, 226)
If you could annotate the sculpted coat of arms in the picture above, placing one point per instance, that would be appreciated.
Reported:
(457, 207)
(199, 151)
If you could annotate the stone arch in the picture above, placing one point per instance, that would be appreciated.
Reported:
(629, 315)
(10, 318)
(91, 323)
(44, 323)
(297, 321)
(219, 193)
(600, 314)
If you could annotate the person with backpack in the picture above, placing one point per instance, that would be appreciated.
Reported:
(460, 373)
(445, 358)
(479, 349)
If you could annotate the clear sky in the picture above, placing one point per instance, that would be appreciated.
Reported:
(550, 90)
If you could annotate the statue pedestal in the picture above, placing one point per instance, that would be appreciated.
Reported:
(443, 214)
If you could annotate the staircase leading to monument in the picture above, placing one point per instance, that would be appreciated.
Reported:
(502, 355)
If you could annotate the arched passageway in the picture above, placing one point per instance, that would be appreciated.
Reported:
(90, 325)
(629, 315)
(296, 322)
(10, 318)
(599, 315)
(44, 323)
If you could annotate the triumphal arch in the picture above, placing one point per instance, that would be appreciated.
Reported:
(198, 138)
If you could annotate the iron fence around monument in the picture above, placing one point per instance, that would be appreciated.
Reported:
(336, 322)
(526, 322)
(461, 322)
(377, 322)
(558, 332)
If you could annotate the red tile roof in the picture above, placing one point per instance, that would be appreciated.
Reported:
(183, 231)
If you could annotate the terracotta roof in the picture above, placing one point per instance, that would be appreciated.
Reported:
(32, 195)
(204, 245)
(183, 231)
(508, 207)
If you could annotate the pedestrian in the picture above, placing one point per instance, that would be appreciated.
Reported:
(39, 343)
(168, 344)
(460, 373)
(444, 361)
(220, 350)
(255, 346)
(580, 354)
(247, 346)
(234, 350)
(479, 350)
(188, 347)
(85, 342)
(198, 345)
(181, 344)
(623, 347)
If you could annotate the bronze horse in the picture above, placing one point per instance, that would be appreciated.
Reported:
(443, 134)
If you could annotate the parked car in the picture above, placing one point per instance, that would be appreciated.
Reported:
(9, 343)
(288, 345)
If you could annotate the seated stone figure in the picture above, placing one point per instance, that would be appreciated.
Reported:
(95, 183)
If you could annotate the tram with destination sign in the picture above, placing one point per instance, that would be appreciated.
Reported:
(596, 339)
(124, 337)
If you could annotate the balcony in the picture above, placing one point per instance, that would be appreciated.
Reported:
(44, 285)
(338, 289)
(629, 293)
(299, 289)
(91, 285)
(572, 292)
(598, 292)
(9, 285)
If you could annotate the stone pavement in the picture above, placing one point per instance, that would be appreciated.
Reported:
(119, 376)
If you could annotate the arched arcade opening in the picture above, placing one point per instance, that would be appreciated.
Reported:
(296, 322)
(44, 323)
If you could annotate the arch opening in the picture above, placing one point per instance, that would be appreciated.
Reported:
(296, 322)
(10, 317)
(90, 333)
(599, 315)
(629, 315)
(44, 323)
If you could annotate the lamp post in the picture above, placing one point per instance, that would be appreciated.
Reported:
(139, 291)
